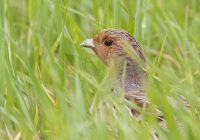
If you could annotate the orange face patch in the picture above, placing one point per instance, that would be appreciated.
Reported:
(111, 41)
(106, 45)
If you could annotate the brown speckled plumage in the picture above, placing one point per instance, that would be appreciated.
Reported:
(112, 46)
(133, 80)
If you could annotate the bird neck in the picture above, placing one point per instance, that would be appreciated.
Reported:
(130, 76)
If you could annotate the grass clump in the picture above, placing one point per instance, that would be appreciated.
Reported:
(51, 88)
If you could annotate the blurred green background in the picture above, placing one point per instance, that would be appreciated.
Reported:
(51, 88)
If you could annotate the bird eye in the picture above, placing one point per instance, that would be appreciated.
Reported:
(108, 42)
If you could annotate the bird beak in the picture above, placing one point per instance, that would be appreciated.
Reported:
(88, 43)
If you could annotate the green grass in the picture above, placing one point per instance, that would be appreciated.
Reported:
(51, 88)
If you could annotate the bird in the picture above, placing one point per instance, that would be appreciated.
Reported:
(113, 47)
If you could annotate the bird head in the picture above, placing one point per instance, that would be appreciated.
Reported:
(118, 49)
(111, 44)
